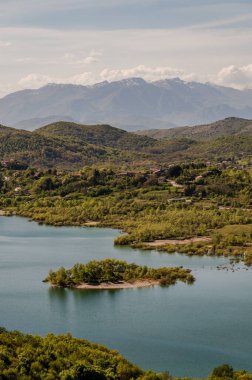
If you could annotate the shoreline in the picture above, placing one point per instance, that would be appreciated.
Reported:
(91, 223)
(196, 239)
(120, 285)
(7, 213)
(157, 244)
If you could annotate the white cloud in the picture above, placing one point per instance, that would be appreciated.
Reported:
(230, 76)
(145, 72)
(237, 77)
(86, 78)
(5, 43)
(65, 55)
(82, 79)
(73, 59)
(35, 81)
(25, 59)
(223, 22)
(89, 60)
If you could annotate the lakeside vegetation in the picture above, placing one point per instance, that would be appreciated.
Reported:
(184, 201)
(62, 357)
(201, 186)
(179, 189)
(115, 272)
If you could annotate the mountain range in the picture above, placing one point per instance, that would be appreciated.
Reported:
(131, 104)
(67, 145)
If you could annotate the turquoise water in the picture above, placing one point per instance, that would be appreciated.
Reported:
(185, 329)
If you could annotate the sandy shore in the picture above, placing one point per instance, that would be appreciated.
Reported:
(91, 224)
(121, 285)
(158, 243)
(2, 213)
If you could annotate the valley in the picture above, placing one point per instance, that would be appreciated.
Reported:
(179, 206)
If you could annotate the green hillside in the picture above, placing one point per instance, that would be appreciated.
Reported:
(71, 146)
(62, 357)
(231, 126)
(104, 135)
(60, 146)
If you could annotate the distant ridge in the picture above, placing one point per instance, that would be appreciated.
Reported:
(68, 145)
(231, 126)
(131, 104)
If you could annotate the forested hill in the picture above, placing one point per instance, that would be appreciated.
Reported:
(231, 126)
(64, 357)
(104, 135)
(70, 146)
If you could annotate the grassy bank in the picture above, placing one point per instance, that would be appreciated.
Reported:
(177, 202)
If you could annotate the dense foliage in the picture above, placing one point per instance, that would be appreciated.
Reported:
(27, 357)
(192, 185)
(115, 271)
(172, 202)
(62, 357)
(70, 145)
(226, 372)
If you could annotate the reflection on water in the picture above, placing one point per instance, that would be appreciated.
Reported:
(184, 329)
(58, 301)
(58, 294)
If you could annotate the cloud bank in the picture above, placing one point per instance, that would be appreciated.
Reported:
(237, 77)
(230, 76)
(89, 41)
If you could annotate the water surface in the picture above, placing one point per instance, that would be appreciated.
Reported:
(184, 329)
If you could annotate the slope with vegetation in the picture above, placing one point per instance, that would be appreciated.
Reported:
(175, 202)
(71, 146)
(231, 126)
(62, 357)
(104, 135)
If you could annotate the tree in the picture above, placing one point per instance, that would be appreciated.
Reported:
(225, 371)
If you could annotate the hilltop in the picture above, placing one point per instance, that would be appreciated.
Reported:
(104, 135)
(70, 146)
(231, 126)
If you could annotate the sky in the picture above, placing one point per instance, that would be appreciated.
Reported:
(89, 41)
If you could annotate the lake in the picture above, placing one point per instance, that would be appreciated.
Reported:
(184, 329)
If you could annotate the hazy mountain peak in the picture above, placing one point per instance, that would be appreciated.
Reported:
(130, 104)
(170, 82)
(100, 84)
(133, 81)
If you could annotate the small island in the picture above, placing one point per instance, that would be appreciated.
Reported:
(116, 274)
